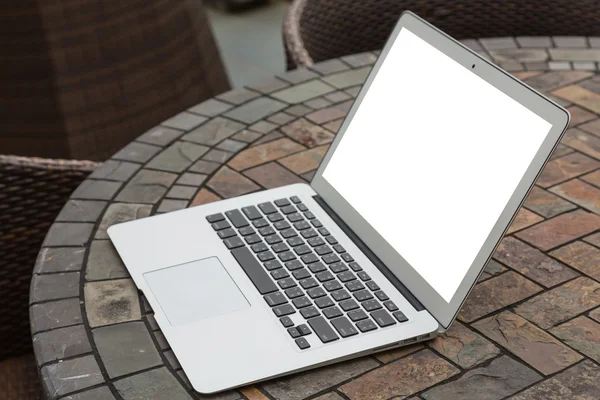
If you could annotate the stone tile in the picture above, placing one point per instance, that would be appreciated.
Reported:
(492, 268)
(238, 96)
(217, 156)
(463, 346)
(536, 66)
(309, 175)
(146, 308)
(172, 360)
(532, 263)
(547, 204)
(307, 133)
(561, 150)
(81, 211)
(60, 343)
(183, 192)
(104, 262)
(593, 178)
(184, 121)
(593, 239)
(330, 396)
(401, 378)
(302, 92)
(114, 170)
(111, 302)
(575, 54)
(472, 44)
(54, 314)
(585, 65)
(527, 74)
(160, 136)
(272, 175)
(232, 146)
(136, 152)
(256, 109)
(281, 118)
(125, 348)
(263, 127)
(328, 114)
(152, 322)
(93, 189)
(246, 136)
(168, 205)
(388, 356)
(334, 126)
(534, 41)
(595, 314)
(252, 393)
(305, 384)
(528, 342)
(519, 55)
(101, 393)
(264, 153)
(581, 256)
(338, 97)
(298, 110)
(559, 101)
(346, 79)
(213, 131)
(147, 187)
(304, 161)
(156, 384)
(269, 85)
(498, 43)
(561, 303)
(580, 96)
(54, 286)
(570, 41)
(177, 157)
(592, 84)
(317, 103)
(582, 334)
(496, 293)
(204, 197)
(360, 60)
(582, 141)
(229, 183)
(211, 108)
(121, 212)
(503, 377)
(559, 65)
(591, 127)
(161, 340)
(559, 230)
(71, 375)
(268, 138)
(329, 66)
(204, 167)
(565, 168)
(298, 75)
(58, 259)
(228, 395)
(68, 234)
(553, 80)
(580, 193)
(579, 115)
(523, 219)
(512, 66)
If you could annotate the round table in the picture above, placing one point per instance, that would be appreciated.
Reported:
(534, 314)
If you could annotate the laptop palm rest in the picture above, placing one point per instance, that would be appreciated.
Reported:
(204, 290)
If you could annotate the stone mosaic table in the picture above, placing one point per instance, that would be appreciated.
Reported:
(529, 329)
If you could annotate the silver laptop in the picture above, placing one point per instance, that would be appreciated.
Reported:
(380, 250)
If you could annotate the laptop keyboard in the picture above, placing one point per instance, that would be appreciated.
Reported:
(299, 267)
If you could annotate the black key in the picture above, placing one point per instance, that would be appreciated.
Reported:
(301, 274)
(380, 295)
(316, 241)
(316, 267)
(237, 218)
(282, 202)
(281, 225)
(266, 256)
(286, 283)
(308, 283)
(272, 239)
(355, 267)
(286, 256)
(400, 316)
(275, 299)
(286, 322)
(226, 233)
(338, 267)
(373, 286)
(354, 286)
(247, 230)
(316, 223)
(266, 231)
(295, 241)
(275, 217)
(288, 233)
(324, 276)
(366, 325)
(279, 274)
(260, 223)
(309, 312)
(309, 258)
(217, 226)
(304, 330)
(293, 332)
(390, 306)
(284, 309)
(346, 276)
(301, 250)
(308, 233)
(259, 248)
(357, 315)
(323, 330)
(324, 302)
(332, 285)
(252, 212)
(267, 208)
(348, 305)
(301, 225)
(301, 302)
(364, 276)
(233, 242)
(215, 218)
(331, 240)
(383, 318)
(363, 295)
(273, 264)
(288, 209)
(371, 305)
(294, 265)
(346, 257)
(322, 250)
(295, 199)
(302, 343)
(294, 292)
(323, 231)
(254, 270)
(331, 258)
(302, 207)
(315, 293)
(340, 295)
(252, 239)
(295, 217)
(309, 215)
(344, 327)
(280, 248)
(332, 312)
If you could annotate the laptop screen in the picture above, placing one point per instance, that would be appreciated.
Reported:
(431, 158)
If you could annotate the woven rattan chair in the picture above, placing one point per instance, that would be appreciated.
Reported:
(32, 192)
(317, 30)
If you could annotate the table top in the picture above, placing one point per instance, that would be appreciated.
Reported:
(531, 326)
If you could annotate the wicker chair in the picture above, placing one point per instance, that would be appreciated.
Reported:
(317, 30)
(32, 192)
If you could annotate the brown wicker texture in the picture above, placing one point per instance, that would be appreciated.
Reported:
(32, 192)
(317, 30)
(19, 379)
(79, 79)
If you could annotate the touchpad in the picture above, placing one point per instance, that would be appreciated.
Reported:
(194, 291)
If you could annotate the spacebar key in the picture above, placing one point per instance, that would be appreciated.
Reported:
(322, 329)
(254, 270)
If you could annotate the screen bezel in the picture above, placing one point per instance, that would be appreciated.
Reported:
(557, 116)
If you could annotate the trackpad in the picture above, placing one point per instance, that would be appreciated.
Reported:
(194, 291)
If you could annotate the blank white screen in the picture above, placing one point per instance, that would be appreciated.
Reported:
(431, 158)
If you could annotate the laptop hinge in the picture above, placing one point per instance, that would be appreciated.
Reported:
(370, 255)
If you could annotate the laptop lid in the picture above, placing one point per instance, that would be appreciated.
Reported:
(434, 159)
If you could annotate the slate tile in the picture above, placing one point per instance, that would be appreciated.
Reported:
(334, 126)
(592, 127)
(524, 75)
(559, 65)
(172, 360)
(54, 286)
(534, 41)
(580, 193)
(346, 79)
(117, 213)
(329, 66)
(302, 92)
(575, 54)
(570, 41)
(204, 167)
(101, 393)
(593, 239)
(229, 183)
(593, 178)
(298, 75)
(114, 170)
(263, 127)
(536, 66)
(93, 189)
(304, 161)
(581, 256)
(111, 302)
(58, 259)
(498, 43)
(472, 44)
(582, 141)
(213, 131)
(281, 118)
(268, 138)
(181, 192)
(328, 114)
(136, 152)
(184, 121)
(81, 211)
(147, 187)
(159, 136)
(582, 334)
(463, 346)
(565, 168)
(579, 115)
(272, 175)
(71, 375)
(211, 108)
(309, 175)
(585, 66)
(388, 356)
(492, 268)
(177, 157)
(360, 59)
(561, 150)
(60, 343)
(338, 97)
(547, 204)
(217, 156)
(168, 205)
(152, 322)
(256, 109)
(104, 262)
(353, 91)
(307, 133)
(269, 85)
(580, 96)
(68, 234)
(232, 146)
(204, 197)
(561, 303)
(595, 314)
(319, 102)
(519, 55)
(264, 153)
(161, 340)
(54, 314)
(553, 80)
(156, 384)
(298, 110)
(523, 219)
(190, 179)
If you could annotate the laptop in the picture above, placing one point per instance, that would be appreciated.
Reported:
(380, 250)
